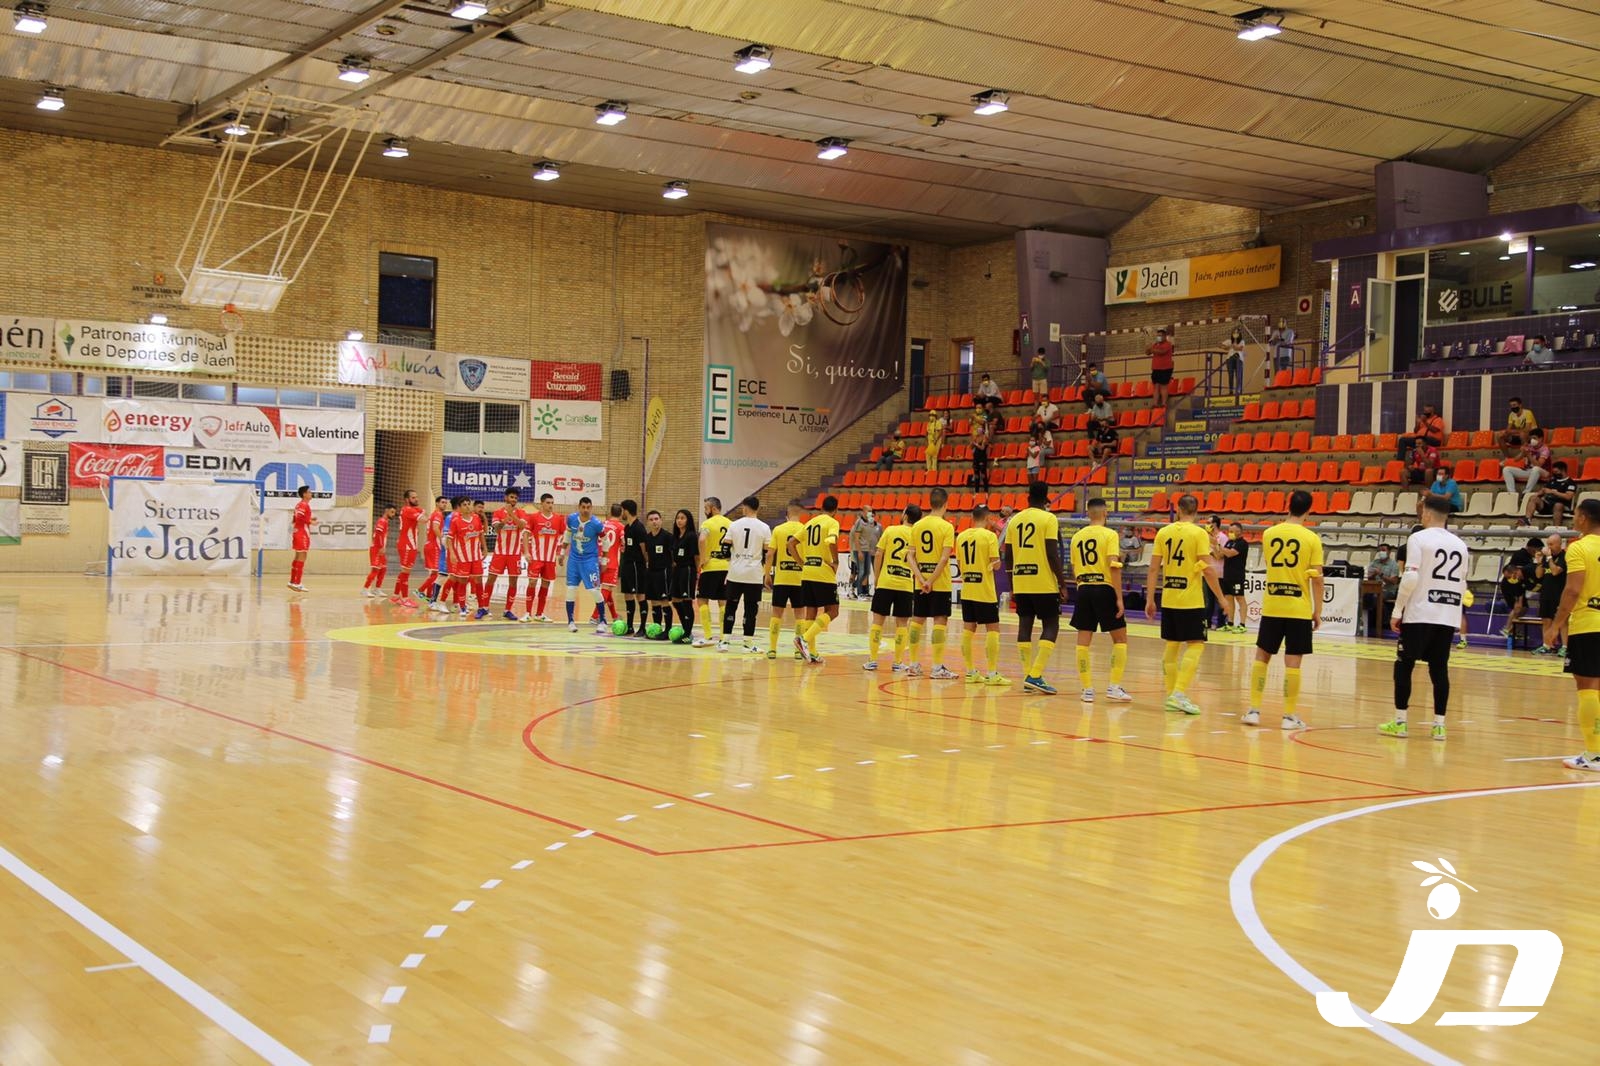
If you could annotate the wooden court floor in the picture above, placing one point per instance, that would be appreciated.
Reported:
(240, 826)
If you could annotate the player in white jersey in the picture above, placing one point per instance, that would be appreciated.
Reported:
(1427, 612)
(747, 540)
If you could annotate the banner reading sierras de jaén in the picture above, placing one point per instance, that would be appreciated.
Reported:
(804, 335)
(158, 527)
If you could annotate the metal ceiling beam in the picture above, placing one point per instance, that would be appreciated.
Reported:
(353, 24)
(479, 32)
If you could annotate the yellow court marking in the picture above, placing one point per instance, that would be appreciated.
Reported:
(514, 638)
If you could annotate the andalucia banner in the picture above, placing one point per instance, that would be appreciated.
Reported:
(804, 335)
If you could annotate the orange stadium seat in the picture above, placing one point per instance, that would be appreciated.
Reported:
(1121, 390)
(1591, 469)
(1483, 438)
(1589, 437)
(1290, 409)
(1016, 396)
(1277, 502)
(1319, 502)
(1394, 470)
(1124, 448)
(1195, 474)
(1329, 472)
(1453, 442)
(1466, 470)
(1280, 442)
(1301, 378)
(1230, 473)
(1321, 444)
(1364, 442)
(1308, 408)
(1225, 443)
(1254, 503)
(1143, 389)
(1250, 473)
(1158, 416)
(1388, 442)
(1213, 473)
(1300, 441)
(1282, 379)
(1080, 449)
(1372, 475)
(1269, 411)
(1124, 419)
(1252, 412)
(1350, 472)
(1262, 441)
(1289, 471)
(1102, 476)
(1316, 375)
(1141, 418)
(1340, 503)
(1185, 387)
(1565, 437)
(1158, 502)
(1069, 502)
(1343, 443)
(1488, 470)
(1270, 472)
(1213, 501)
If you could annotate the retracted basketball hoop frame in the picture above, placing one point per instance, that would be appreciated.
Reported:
(284, 165)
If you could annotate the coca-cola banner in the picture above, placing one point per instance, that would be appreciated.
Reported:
(89, 465)
(169, 424)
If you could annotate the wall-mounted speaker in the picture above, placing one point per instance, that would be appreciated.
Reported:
(621, 386)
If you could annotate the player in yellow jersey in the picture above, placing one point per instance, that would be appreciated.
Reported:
(783, 576)
(1096, 557)
(1580, 611)
(934, 539)
(714, 553)
(1291, 607)
(1180, 570)
(894, 568)
(1038, 586)
(818, 552)
(978, 555)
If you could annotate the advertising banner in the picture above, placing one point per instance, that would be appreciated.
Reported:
(321, 431)
(278, 476)
(25, 340)
(487, 479)
(169, 424)
(10, 465)
(62, 418)
(568, 483)
(1195, 277)
(566, 400)
(490, 379)
(237, 429)
(89, 465)
(125, 347)
(804, 335)
(45, 489)
(332, 529)
(395, 366)
(10, 522)
(158, 527)
(1341, 600)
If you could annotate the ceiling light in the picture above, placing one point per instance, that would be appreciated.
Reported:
(1538, 247)
(1508, 236)
(355, 335)
(52, 100)
(832, 147)
(236, 127)
(354, 70)
(29, 18)
(752, 59)
(158, 319)
(1503, 258)
(395, 148)
(1587, 264)
(1254, 30)
(546, 171)
(610, 113)
(1463, 253)
(469, 10)
(990, 102)
(677, 190)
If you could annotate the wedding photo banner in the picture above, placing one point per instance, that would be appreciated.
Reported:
(804, 335)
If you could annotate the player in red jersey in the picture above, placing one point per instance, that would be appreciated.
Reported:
(433, 550)
(510, 537)
(475, 532)
(545, 529)
(302, 538)
(464, 550)
(410, 513)
(378, 554)
(610, 555)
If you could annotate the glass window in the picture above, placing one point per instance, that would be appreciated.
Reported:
(1566, 271)
(1474, 281)
(343, 400)
(296, 398)
(5, 379)
(472, 427)
(502, 430)
(30, 382)
(406, 299)
(93, 386)
(256, 396)
(463, 426)
(64, 382)
(1410, 265)
(206, 393)
(155, 390)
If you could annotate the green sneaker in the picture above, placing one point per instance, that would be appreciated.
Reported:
(1178, 702)
(1438, 732)
(997, 681)
(974, 677)
(1396, 729)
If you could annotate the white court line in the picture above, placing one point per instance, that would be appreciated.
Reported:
(434, 932)
(111, 966)
(379, 1034)
(230, 1020)
(393, 993)
(661, 806)
(493, 882)
(1538, 758)
(523, 865)
(462, 907)
(1242, 897)
(411, 962)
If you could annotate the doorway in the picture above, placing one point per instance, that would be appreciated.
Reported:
(918, 372)
(962, 349)
(1407, 345)
(402, 461)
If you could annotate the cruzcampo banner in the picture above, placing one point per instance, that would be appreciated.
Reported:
(804, 335)
(1196, 277)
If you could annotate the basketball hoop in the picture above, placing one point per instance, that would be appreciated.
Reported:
(232, 320)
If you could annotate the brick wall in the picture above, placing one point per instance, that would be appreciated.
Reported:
(1561, 166)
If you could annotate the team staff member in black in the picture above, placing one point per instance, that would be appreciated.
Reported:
(657, 568)
(685, 570)
(1235, 554)
(632, 566)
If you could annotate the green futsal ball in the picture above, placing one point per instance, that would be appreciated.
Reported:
(653, 630)
(619, 627)
(675, 634)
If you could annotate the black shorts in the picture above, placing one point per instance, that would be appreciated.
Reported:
(930, 605)
(1161, 377)
(1036, 604)
(1293, 635)
(1549, 605)
(1510, 594)
(1583, 655)
(1427, 642)
(713, 585)
(1232, 586)
(977, 613)
(655, 584)
(820, 593)
(1096, 608)
(1183, 624)
(681, 584)
(892, 603)
(631, 579)
(787, 596)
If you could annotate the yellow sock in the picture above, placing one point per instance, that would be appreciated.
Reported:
(938, 645)
(874, 640)
(1041, 657)
(966, 651)
(991, 650)
(819, 627)
(1589, 718)
(901, 640)
(774, 631)
(1119, 662)
(1258, 684)
(1026, 648)
(705, 620)
(1169, 665)
(916, 639)
(1291, 690)
(1085, 667)
(1188, 666)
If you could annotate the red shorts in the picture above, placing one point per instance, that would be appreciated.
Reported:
(375, 557)
(608, 576)
(505, 564)
(302, 540)
(408, 558)
(465, 568)
(545, 571)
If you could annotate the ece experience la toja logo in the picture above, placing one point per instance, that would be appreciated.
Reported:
(1428, 958)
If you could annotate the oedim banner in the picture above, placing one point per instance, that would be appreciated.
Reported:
(1196, 277)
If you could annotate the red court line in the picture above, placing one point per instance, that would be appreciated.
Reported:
(320, 746)
(1298, 737)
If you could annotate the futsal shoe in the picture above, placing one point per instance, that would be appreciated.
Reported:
(1118, 694)
(1438, 732)
(296, 588)
(870, 666)
(898, 668)
(1294, 721)
(1179, 702)
(1250, 717)
(1582, 762)
(943, 673)
(914, 670)
(723, 645)
(483, 612)
(1038, 685)
(1393, 729)
(510, 616)
(572, 627)
(974, 677)
(800, 648)
(600, 629)
(1086, 696)
(702, 642)
(997, 680)
(772, 655)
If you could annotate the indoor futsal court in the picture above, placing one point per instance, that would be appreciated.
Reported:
(635, 534)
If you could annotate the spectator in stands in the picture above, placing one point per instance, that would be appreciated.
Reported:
(1035, 454)
(1046, 416)
(1539, 353)
(1429, 430)
(1535, 462)
(987, 394)
(1233, 363)
(1095, 379)
(1039, 374)
(864, 536)
(1100, 411)
(1516, 579)
(1519, 421)
(1160, 354)
(1551, 570)
(1281, 338)
(1554, 499)
(1421, 466)
(1385, 571)
(1444, 487)
(936, 427)
(891, 453)
(982, 437)
(1104, 445)
(1235, 553)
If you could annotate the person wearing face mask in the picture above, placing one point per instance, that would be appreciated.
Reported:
(1386, 570)
(1234, 362)
(1283, 345)
(1538, 353)
(1519, 421)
